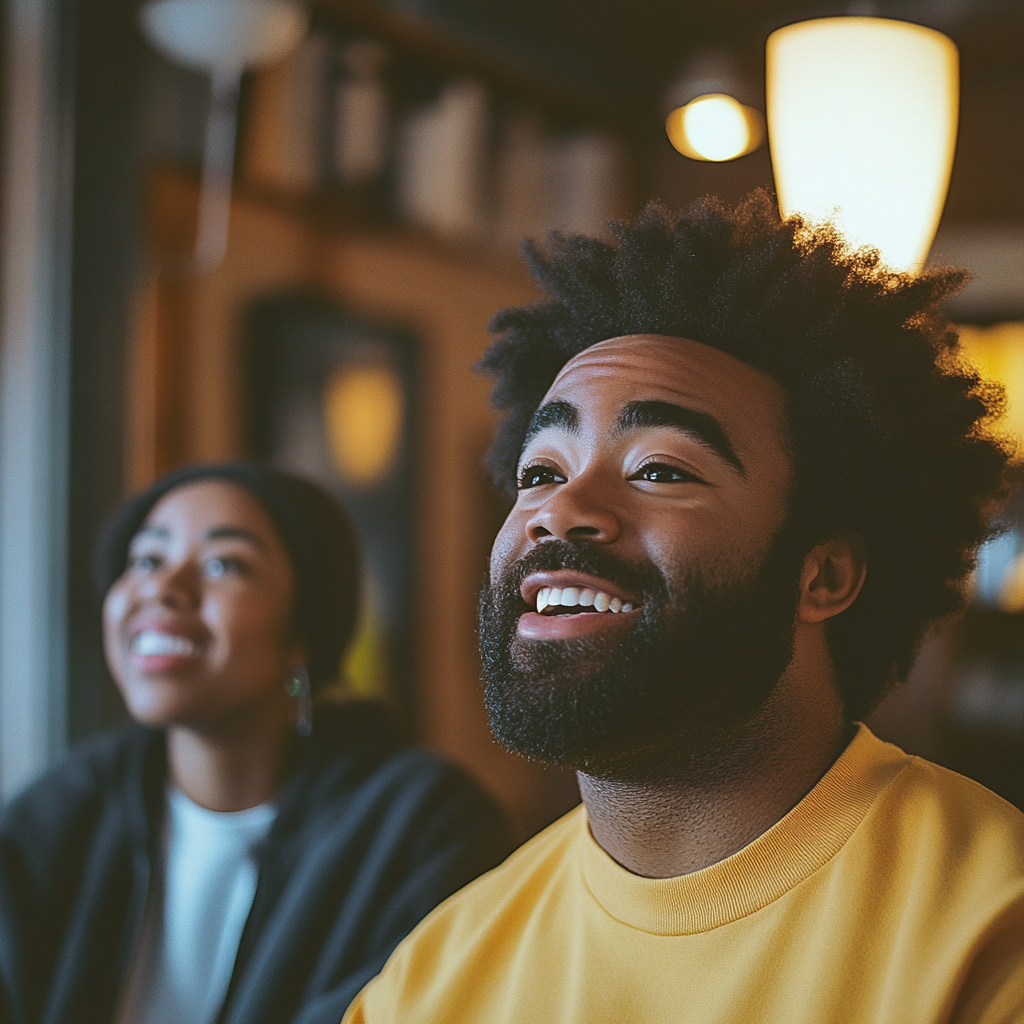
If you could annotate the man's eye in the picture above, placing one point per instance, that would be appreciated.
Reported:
(663, 473)
(144, 563)
(535, 476)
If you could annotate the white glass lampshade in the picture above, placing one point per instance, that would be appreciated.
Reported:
(223, 37)
(862, 119)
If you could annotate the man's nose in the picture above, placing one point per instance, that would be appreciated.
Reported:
(576, 510)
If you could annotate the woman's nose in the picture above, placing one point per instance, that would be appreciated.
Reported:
(576, 510)
(175, 585)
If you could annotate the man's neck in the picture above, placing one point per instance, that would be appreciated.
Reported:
(753, 780)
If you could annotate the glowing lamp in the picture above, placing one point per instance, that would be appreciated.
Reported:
(862, 119)
(715, 127)
(997, 352)
(364, 409)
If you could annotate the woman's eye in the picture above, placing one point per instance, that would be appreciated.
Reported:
(535, 476)
(144, 563)
(663, 473)
(223, 566)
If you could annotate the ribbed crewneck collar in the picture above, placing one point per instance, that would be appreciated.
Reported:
(791, 850)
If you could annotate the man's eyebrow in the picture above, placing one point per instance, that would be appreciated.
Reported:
(235, 533)
(563, 415)
(701, 426)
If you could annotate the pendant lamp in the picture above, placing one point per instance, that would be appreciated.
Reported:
(222, 38)
(862, 120)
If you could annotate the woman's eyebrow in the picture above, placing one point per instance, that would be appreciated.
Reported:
(700, 426)
(160, 532)
(235, 533)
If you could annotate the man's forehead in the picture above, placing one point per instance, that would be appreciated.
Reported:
(697, 381)
(672, 364)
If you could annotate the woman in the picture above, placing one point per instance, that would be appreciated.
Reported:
(236, 855)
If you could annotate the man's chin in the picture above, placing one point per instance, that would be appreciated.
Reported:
(584, 705)
(570, 714)
(646, 759)
(560, 663)
(620, 747)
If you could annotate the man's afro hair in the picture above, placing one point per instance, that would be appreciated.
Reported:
(887, 423)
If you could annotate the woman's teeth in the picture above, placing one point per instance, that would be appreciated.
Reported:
(582, 597)
(150, 643)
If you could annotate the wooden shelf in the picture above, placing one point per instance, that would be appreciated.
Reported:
(173, 206)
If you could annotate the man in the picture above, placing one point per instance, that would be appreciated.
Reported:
(750, 472)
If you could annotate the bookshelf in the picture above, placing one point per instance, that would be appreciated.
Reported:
(391, 122)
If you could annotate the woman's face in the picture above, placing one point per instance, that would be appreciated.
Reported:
(197, 630)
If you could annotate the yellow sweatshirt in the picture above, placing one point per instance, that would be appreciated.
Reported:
(893, 893)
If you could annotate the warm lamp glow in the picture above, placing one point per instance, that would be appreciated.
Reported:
(862, 117)
(363, 413)
(714, 127)
(997, 352)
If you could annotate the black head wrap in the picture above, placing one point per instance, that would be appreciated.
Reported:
(315, 531)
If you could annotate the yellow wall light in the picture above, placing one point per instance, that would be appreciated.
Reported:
(862, 120)
(364, 410)
(715, 127)
(997, 352)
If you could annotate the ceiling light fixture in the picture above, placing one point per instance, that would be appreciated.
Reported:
(715, 127)
(862, 119)
(706, 118)
(222, 38)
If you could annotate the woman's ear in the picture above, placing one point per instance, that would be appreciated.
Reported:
(832, 576)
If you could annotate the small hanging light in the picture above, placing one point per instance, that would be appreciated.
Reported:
(715, 127)
(222, 38)
(862, 120)
(706, 118)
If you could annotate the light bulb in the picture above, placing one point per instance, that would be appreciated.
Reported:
(714, 127)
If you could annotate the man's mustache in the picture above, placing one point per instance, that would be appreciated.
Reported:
(582, 556)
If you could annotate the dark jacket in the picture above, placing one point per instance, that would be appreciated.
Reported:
(370, 836)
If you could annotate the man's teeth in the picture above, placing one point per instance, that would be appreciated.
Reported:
(572, 597)
(150, 643)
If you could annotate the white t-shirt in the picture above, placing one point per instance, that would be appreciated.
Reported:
(198, 907)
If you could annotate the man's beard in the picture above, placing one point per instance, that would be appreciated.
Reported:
(652, 699)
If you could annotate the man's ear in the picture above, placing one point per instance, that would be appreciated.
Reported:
(832, 575)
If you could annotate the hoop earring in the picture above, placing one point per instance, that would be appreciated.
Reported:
(299, 688)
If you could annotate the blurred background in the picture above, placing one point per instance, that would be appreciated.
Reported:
(385, 167)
